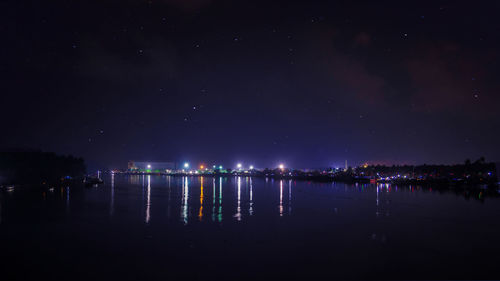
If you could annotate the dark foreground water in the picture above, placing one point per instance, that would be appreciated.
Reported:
(173, 228)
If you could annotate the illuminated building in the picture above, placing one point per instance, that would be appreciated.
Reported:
(151, 166)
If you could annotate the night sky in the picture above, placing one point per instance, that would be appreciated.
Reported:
(309, 84)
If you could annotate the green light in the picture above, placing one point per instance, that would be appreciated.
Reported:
(220, 167)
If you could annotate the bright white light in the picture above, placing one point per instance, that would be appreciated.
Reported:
(251, 167)
(282, 166)
(149, 166)
(186, 165)
(239, 165)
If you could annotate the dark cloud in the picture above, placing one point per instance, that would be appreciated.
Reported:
(446, 77)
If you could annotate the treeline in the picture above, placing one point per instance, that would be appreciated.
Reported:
(469, 169)
(37, 167)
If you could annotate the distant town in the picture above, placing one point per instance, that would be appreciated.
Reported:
(478, 172)
(44, 168)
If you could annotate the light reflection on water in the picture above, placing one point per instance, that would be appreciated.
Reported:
(281, 198)
(202, 197)
(185, 221)
(185, 197)
(200, 212)
(250, 209)
(195, 187)
(219, 217)
(238, 208)
(244, 195)
(148, 202)
(289, 197)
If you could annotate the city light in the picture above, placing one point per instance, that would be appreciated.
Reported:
(149, 166)
(220, 167)
(282, 166)
(186, 165)
(239, 165)
(201, 167)
(251, 167)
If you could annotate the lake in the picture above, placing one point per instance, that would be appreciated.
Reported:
(203, 228)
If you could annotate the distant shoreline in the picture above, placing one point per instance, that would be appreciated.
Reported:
(437, 183)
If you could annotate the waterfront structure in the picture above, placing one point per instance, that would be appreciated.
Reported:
(151, 166)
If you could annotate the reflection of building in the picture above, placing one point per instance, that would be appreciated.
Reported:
(153, 166)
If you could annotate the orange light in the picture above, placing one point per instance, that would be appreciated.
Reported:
(201, 167)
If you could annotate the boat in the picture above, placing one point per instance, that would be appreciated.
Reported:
(91, 180)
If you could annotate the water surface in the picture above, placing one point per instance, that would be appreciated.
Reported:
(159, 227)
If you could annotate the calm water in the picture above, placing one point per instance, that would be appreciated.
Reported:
(156, 227)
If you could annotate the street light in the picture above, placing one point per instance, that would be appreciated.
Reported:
(282, 166)
(251, 167)
(239, 165)
(186, 165)
(149, 166)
